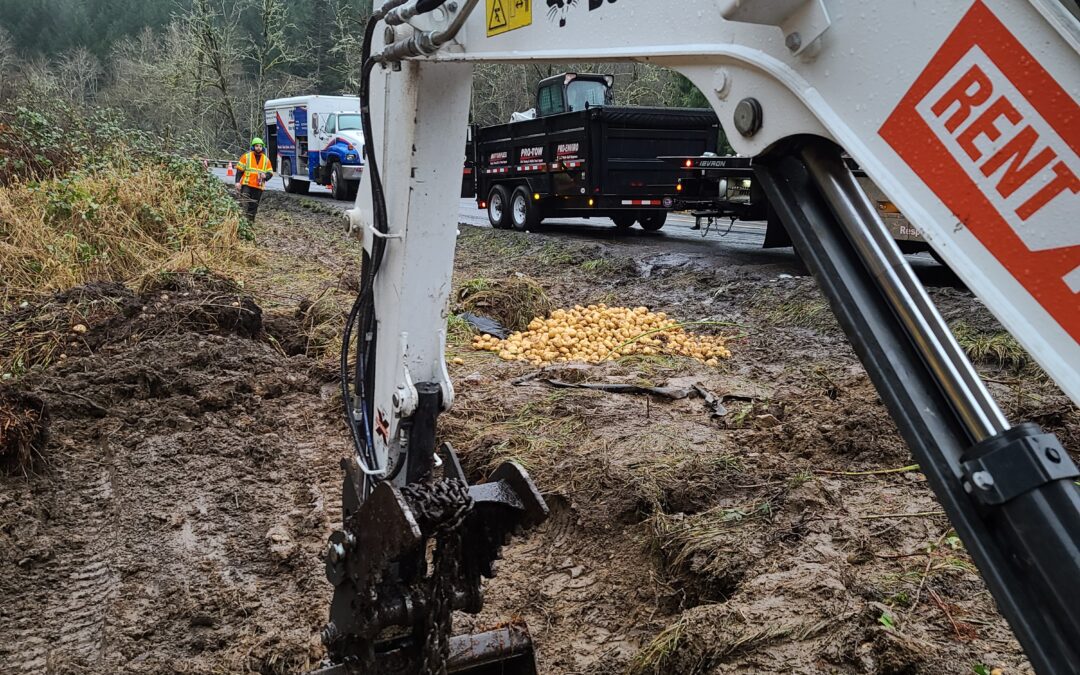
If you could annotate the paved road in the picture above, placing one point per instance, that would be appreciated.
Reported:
(740, 242)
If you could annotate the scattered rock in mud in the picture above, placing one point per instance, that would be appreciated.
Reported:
(24, 429)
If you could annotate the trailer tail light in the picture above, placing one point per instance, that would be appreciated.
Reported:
(689, 163)
(637, 183)
(483, 205)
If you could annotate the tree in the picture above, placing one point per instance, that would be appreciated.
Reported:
(214, 33)
(270, 48)
(78, 73)
(8, 63)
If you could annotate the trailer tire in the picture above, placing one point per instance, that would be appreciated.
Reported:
(653, 220)
(338, 187)
(293, 187)
(498, 207)
(524, 212)
(623, 221)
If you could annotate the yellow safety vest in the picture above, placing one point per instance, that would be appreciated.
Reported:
(253, 168)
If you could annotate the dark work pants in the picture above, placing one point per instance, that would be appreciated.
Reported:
(251, 201)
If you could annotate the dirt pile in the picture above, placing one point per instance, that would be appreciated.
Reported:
(82, 320)
(190, 481)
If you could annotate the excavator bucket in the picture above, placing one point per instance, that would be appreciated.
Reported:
(407, 558)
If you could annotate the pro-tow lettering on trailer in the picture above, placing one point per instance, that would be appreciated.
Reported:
(997, 139)
(532, 155)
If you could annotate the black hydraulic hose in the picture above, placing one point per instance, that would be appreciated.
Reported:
(362, 315)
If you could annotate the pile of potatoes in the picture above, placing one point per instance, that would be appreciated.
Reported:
(598, 333)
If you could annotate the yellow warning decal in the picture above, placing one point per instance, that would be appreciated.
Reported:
(508, 15)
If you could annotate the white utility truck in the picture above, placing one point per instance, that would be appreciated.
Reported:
(316, 139)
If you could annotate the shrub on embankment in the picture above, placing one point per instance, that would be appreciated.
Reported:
(83, 199)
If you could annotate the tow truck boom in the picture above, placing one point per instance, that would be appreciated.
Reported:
(967, 121)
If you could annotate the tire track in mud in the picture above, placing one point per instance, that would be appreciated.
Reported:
(68, 625)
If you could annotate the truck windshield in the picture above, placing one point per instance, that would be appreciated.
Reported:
(348, 122)
(585, 92)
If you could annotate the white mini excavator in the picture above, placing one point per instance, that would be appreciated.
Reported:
(964, 112)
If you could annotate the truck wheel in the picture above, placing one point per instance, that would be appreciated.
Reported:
(498, 207)
(623, 221)
(524, 212)
(338, 188)
(295, 187)
(653, 221)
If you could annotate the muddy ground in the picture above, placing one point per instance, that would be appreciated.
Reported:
(173, 514)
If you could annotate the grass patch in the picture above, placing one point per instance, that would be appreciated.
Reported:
(513, 302)
(598, 266)
(654, 658)
(704, 541)
(118, 224)
(813, 314)
(459, 332)
(990, 347)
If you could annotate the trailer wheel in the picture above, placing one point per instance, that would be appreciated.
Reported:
(294, 187)
(623, 221)
(653, 220)
(338, 187)
(498, 207)
(524, 212)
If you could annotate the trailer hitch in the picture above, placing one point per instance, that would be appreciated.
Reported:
(394, 593)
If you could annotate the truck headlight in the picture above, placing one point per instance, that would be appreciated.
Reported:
(351, 157)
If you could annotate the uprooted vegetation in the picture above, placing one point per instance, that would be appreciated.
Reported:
(24, 429)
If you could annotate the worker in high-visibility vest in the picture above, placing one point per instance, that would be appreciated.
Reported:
(252, 172)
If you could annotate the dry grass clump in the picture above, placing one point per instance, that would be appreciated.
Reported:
(116, 224)
(990, 347)
(24, 429)
(600, 333)
(513, 302)
(705, 538)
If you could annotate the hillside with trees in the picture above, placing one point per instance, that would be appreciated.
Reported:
(196, 72)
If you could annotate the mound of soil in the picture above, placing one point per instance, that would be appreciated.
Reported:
(192, 478)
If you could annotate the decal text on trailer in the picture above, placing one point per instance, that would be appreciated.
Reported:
(997, 139)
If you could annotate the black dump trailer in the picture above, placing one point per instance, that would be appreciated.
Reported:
(713, 188)
(583, 157)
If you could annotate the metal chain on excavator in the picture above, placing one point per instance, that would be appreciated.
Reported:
(440, 508)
